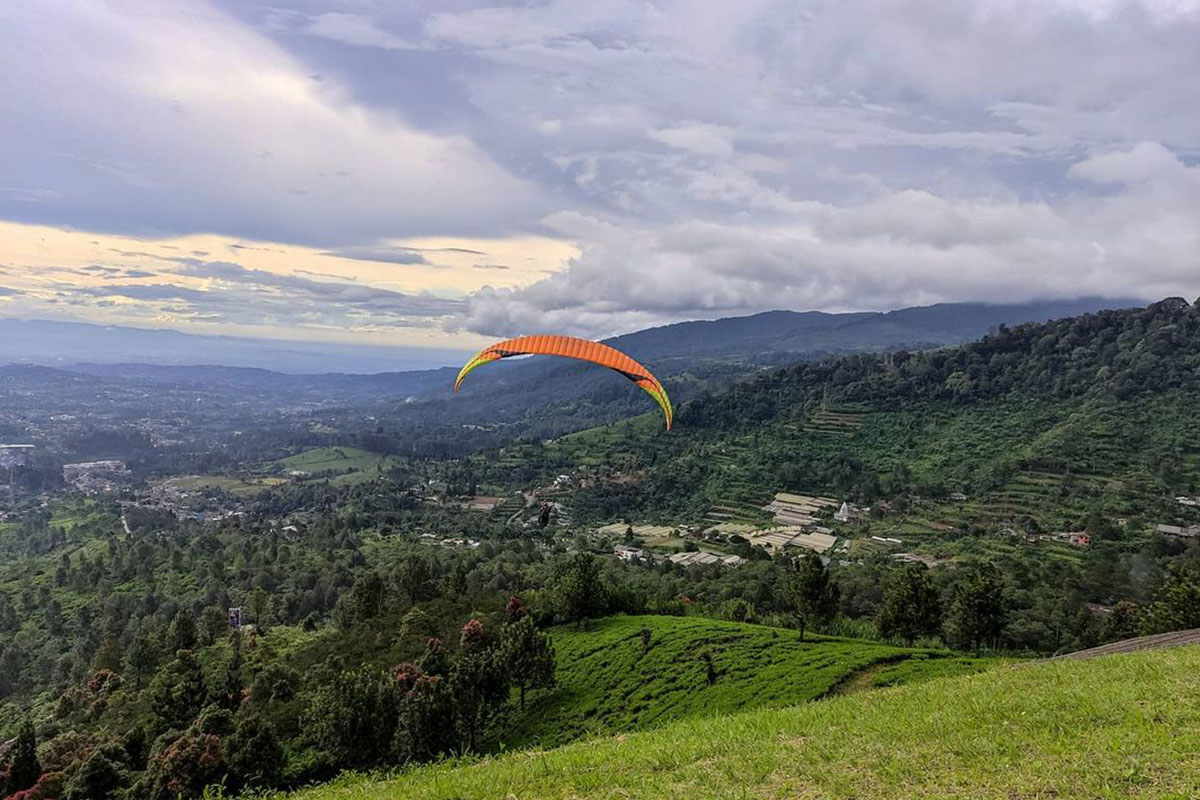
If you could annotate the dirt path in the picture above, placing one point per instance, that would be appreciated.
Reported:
(1155, 642)
(861, 681)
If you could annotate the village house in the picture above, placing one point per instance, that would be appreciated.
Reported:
(1076, 538)
(1189, 532)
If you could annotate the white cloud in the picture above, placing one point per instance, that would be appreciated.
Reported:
(192, 122)
(905, 248)
(705, 157)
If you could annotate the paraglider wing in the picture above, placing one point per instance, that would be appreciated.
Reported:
(582, 349)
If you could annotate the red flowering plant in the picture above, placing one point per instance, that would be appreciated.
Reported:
(409, 677)
(472, 636)
(515, 609)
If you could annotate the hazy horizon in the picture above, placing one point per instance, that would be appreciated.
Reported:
(68, 343)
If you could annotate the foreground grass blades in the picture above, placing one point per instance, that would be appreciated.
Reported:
(1123, 726)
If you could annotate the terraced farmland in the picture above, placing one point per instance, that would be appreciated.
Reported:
(833, 423)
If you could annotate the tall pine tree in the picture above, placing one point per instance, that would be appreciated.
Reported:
(24, 767)
(911, 605)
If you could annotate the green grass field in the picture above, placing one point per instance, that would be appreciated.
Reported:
(225, 483)
(346, 464)
(608, 683)
(1116, 727)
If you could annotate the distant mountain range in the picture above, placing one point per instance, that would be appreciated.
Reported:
(519, 399)
(541, 396)
(791, 333)
(555, 395)
(770, 337)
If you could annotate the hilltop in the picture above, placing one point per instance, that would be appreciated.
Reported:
(1118, 726)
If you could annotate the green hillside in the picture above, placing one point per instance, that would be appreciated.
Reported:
(609, 682)
(1122, 726)
(1041, 422)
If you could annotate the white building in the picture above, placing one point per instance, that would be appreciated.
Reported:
(627, 553)
(848, 513)
(703, 557)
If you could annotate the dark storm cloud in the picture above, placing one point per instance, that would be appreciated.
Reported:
(144, 291)
(385, 255)
(351, 295)
(118, 271)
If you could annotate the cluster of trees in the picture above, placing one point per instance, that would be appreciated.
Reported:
(440, 704)
(209, 726)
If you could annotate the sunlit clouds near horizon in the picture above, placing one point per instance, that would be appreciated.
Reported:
(428, 174)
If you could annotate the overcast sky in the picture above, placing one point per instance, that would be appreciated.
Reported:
(432, 173)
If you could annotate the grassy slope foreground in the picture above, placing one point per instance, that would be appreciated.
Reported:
(608, 683)
(1121, 726)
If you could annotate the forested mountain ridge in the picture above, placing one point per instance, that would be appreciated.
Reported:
(782, 334)
(1116, 354)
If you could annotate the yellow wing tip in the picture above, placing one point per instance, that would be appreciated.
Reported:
(482, 357)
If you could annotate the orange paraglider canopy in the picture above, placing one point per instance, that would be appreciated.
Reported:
(582, 349)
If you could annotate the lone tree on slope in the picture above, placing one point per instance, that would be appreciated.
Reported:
(978, 611)
(813, 593)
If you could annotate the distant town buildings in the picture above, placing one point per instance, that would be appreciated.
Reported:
(702, 557)
(798, 509)
(14, 455)
(775, 540)
(97, 477)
